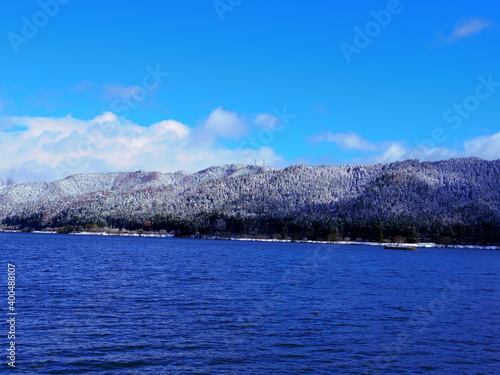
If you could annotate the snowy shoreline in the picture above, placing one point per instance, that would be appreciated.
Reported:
(157, 235)
(417, 245)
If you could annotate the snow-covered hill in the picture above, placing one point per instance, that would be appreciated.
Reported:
(459, 198)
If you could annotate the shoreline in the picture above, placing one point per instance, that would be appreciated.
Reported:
(246, 239)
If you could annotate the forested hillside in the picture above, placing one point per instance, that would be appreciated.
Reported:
(452, 201)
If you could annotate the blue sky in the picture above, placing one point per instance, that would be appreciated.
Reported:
(92, 86)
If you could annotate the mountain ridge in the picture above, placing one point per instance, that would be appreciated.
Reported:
(455, 198)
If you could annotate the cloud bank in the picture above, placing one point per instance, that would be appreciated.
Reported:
(44, 149)
(485, 147)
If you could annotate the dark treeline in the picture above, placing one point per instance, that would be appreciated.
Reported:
(481, 232)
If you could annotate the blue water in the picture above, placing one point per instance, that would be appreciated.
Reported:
(105, 305)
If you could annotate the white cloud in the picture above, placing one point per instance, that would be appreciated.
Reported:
(105, 117)
(170, 128)
(392, 152)
(484, 147)
(42, 148)
(267, 120)
(346, 141)
(225, 124)
(45, 149)
(467, 27)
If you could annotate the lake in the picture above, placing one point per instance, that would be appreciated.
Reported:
(128, 305)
